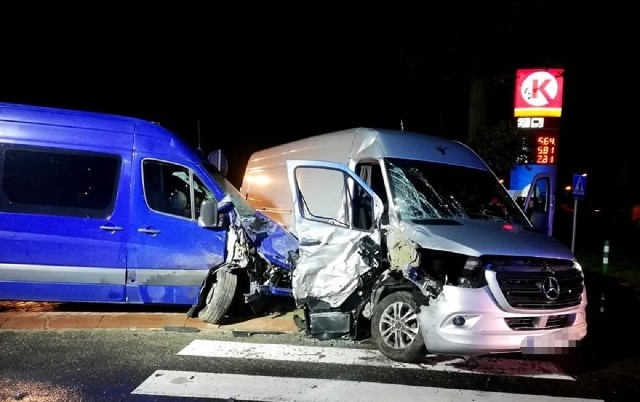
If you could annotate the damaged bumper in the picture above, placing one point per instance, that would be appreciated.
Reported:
(469, 322)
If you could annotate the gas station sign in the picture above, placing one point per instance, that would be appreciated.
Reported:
(545, 148)
(538, 92)
(537, 109)
(530, 122)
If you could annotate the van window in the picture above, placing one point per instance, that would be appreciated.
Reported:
(323, 195)
(371, 173)
(166, 188)
(330, 196)
(200, 193)
(538, 201)
(46, 181)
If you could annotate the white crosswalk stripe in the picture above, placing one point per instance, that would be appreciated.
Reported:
(360, 357)
(270, 388)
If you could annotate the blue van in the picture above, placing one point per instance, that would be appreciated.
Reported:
(111, 209)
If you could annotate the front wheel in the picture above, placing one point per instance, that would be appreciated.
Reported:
(219, 297)
(395, 328)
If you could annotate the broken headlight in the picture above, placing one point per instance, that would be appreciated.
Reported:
(472, 275)
(452, 268)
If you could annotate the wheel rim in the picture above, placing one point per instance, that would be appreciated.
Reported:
(399, 325)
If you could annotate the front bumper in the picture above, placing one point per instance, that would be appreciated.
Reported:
(489, 329)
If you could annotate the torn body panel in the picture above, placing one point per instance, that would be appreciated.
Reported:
(272, 242)
(332, 264)
(263, 247)
(270, 274)
(405, 257)
(337, 254)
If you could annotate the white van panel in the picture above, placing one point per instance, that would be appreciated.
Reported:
(265, 184)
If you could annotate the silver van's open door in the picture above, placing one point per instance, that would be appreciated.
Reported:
(335, 212)
(539, 204)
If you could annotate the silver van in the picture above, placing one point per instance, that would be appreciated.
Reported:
(413, 240)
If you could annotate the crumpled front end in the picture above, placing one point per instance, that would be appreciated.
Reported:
(263, 248)
(492, 303)
(258, 250)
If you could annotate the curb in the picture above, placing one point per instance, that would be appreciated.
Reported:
(280, 322)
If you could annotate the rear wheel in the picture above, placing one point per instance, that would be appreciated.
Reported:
(219, 297)
(395, 328)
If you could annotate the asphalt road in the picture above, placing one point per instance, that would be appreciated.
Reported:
(145, 365)
(112, 365)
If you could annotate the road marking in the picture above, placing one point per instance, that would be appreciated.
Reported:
(267, 388)
(362, 357)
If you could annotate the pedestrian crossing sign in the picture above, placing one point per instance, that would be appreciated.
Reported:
(579, 186)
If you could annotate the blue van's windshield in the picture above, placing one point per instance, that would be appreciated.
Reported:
(426, 190)
(242, 207)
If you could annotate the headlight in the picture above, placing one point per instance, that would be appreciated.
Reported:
(577, 266)
(452, 268)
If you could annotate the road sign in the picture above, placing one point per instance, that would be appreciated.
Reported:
(579, 186)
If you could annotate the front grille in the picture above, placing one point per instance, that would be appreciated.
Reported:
(557, 321)
(521, 283)
(531, 323)
(521, 323)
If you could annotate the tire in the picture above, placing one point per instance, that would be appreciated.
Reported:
(404, 343)
(220, 297)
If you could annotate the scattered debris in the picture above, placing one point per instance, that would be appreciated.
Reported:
(300, 322)
(242, 334)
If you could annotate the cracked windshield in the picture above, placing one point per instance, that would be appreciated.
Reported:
(425, 191)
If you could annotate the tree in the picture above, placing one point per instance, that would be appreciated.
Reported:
(501, 146)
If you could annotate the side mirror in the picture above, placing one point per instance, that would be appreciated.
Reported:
(208, 214)
(219, 160)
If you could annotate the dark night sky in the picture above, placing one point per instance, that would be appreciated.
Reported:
(257, 77)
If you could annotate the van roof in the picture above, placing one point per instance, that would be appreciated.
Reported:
(375, 143)
(68, 117)
(143, 135)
